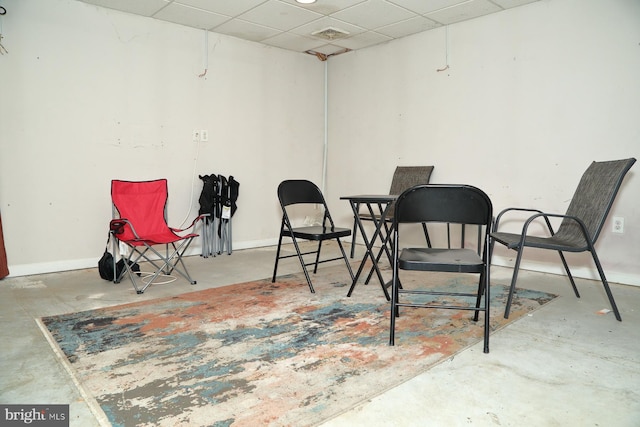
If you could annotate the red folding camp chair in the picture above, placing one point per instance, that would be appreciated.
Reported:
(140, 222)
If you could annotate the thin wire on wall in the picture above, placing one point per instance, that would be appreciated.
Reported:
(326, 128)
(446, 50)
(206, 54)
(193, 183)
(3, 11)
(195, 159)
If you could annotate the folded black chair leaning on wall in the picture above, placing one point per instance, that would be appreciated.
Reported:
(230, 190)
(455, 204)
(140, 223)
(218, 204)
(209, 200)
(306, 194)
(579, 228)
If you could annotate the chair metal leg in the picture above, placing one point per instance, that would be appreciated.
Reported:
(346, 260)
(315, 267)
(304, 267)
(116, 252)
(487, 305)
(512, 289)
(275, 267)
(566, 268)
(394, 301)
(605, 283)
(479, 297)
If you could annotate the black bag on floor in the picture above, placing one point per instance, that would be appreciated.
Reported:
(105, 265)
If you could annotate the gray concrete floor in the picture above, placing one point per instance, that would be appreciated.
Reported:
(563, 365)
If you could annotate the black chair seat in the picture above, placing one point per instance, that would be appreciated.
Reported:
(512, 241)
(435, 259)
(316, 232)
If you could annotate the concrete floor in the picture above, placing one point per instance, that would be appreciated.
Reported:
(564, 365)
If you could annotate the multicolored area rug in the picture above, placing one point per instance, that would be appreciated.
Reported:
(260, 353)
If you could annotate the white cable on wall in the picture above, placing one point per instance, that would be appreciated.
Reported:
(195, 159)
(446, 50)
(326, 127)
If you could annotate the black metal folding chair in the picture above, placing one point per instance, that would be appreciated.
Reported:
(456, 204)
(303, 192)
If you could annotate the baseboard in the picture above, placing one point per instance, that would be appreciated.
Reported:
(577, 272)
(81, 264)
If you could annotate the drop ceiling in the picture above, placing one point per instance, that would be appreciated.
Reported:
(324, 28)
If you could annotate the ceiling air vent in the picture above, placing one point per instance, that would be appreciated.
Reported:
(330, 33)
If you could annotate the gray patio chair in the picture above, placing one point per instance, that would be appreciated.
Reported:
(580, 226)
(404, 178)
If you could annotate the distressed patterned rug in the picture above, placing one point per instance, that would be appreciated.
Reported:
(260, 353)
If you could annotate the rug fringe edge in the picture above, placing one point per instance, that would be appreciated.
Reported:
(93, 405)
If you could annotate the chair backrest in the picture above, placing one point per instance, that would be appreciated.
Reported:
(459, 204)
(142, 203)
(406, 177)
(295, 191)
(594, 197)
(300, 191)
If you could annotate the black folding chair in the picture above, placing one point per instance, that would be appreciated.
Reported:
(457, 204)
(306, 193)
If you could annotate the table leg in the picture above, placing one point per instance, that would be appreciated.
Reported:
(378, 223)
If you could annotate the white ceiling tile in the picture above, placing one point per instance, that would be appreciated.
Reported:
(293, 42)
(408, 27)
(321, 24)
(326, 7)
(512, 3)
(246, 30)
(462, 12)
(373, 14)
(363, 40)
(190, 16)
(424, 6)
(225, 7)
(145, 8)
(276, 14)
(330, 49)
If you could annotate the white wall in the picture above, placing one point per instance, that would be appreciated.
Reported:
(89, 94)
(532, 96)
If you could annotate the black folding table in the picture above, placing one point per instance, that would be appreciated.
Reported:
(377, 207)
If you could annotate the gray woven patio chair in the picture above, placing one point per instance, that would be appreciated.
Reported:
(580, 225)
(404, 177)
